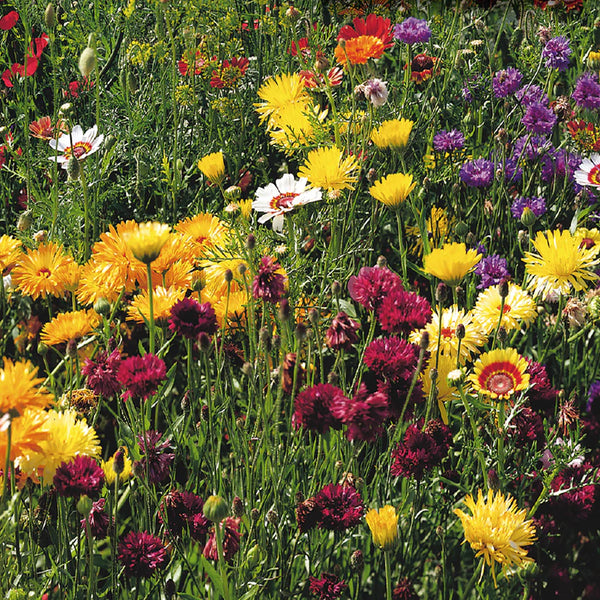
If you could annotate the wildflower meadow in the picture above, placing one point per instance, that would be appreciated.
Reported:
(300, 300)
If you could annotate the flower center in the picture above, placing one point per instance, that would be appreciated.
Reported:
(284, 201)
(78, 149)
(594, 175)
(507, 308)
(587, 243)
(448, 332)
(500, 383)
(44, 272)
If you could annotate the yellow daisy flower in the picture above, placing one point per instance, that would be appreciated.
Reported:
(69, 326)
(383, 524)
(393, 190)
(20, 388)
(451, 262)
(328, 169)
(147, 240)
(444, 391)
(280, 91)
(497, 530)
(392, 134)
(206, 232)
(10, 251)
(519, 308)
(212, 167)
(499, 374)
(163, 300)
(562, 263)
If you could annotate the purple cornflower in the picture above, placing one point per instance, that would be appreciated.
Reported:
(531, 93)
(492, 270)
(506, 82)
(557, 52)
(535, 204)
(412, 31)
(531, 147)
(587, 91)
(538, 118)
(477, 173)
(448, 141)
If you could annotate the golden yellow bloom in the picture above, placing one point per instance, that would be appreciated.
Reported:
(561, 264)
(392, 134)
(109, 472)
(67, 438)
(294, 126)
(214, 276)
(588, 237)
(212, 167)
(43, 272)
(451, 262)
(147, 240)
(497, 530)
(178, 247)
(279, 92)
(28, 431)
(519, 308)
(20, 388)
(206, 231)
(163, 300)
(393, 190)
(245, 208)
(451, 318)
(70, 326)
(499, 374)
(383, 524)
(444, 391)
(230, 309)
(328, 169)
(10, 250)
(99, 280)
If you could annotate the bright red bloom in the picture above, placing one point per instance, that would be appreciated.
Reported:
(34, 52)
(76, 87)
(372, 26)
(9, 20)
(312, 408)
(141, 376)
(142, 553)
(585, 135)
(302, 46)
(372, 285)
(230, 73)
(392, 358)
(198, 59)
(341, 507)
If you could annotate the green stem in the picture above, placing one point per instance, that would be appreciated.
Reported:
(388, 576)
(222, 565)
(401, 246)
(151, 306)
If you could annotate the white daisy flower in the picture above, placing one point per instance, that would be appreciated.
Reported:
(283, 196)
(77, 144)
(589, 171)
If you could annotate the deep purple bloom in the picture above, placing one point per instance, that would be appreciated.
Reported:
(142, 553)
(532, 147)
(587, 91)
(506, 82)
(189, 318)
(535, 204)
(527, 428)
(372, 285)
(557, 52)
(342, 332)
(329, 587)
(341, 507)
(531, 93)
(412, 31)
(156, 457)
(80, 476)
(141, 376)
(448, 141)
(268, 284)
(98, 520)
(364, 415)
(542, 396)
(312, 408)
(101, 373)
(493, 270)
(402, 312)
(392, 358)
(593, 401)
(539, 118)
(477, 173)
(179, 509)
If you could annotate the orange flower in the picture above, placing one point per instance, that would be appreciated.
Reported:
(368, 38)
(358, 51)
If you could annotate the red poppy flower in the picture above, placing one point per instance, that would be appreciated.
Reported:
(9, 20)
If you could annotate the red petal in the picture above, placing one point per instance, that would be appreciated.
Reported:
(9, 21)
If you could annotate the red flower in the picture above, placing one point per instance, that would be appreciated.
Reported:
(199, 62)
(402, 312)
(342, 332)
(189, 318)
(372, 26)
(34, 52)
(184, 508)
(392, 358)
(76, 87)
(372, 285)
(423, 67)
(230, 73)
(329, 587)
(142, 553)
(156, 456)
(141, 376)
(269, 283)
(9, 20)
(312, 408)
(302, 46)
(341, 507)
(230, 528)
(101, 373)
(82, 475)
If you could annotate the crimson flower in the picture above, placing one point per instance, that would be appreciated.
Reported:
(9, 20)
(372, 285)
(142, 553)
(312, 408)
(230, 528)
(341, 507)
(230, 73)
(141, 376)
(328, 587)
(34, 51)
(372, 26)
(80, 476)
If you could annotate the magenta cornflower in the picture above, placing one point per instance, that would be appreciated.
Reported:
(372, 285)
(230, 528)
(141, 554)
(189, 318)
(268, 284)
(341, 507)
(342, 332)
(401, 312)
(102, 373)
(364, 415)
(392, 358)
(80, 476)
(141, 376)
(328, 587)
(157, 457)
(312, 408)
(98, 520)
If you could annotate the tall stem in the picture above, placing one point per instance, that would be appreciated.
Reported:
(151, 306)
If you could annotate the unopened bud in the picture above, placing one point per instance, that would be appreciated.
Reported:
(460, 331)
(333, 378)
(228, 276)
(237, 507)
(102, 307)
(118, 464)
(461, 229)
(73, 169)
(528, 217)
(292, 13)
(255, 515)
(88, 61)
(250, 242)
(503, 288)
(24, 222)
(424, 341)
(273, 517)
(215, 509)
(300, 331)
(441, 293)
(502, 335)
(170, 589)
(204, 341)
(233, 193)
(382, 262)
(357, 561)
(284, 310)
(84, 505)
(50, 16)
(313, 317)
(336, 288)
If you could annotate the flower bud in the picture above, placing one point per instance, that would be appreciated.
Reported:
(233, 193)
(284, 310)
(102, 307)
(50, 16)
(460, 331)
(215, 509)
(84, 505)
(39, 237)
(238, 507)
(118, 464)
(357, 561)
(382, 262)
(24, 222)
(461, 229)
(87, 61)
(73, 169)
(250, 242)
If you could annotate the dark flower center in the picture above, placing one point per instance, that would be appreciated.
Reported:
(500, 383)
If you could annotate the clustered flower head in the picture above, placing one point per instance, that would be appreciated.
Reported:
(556, 53)
(142, 554)
(412, 31)
(190, 318)
(269, 282)
(506, 82)
(477, 173)
(141, 376)
(448, 141)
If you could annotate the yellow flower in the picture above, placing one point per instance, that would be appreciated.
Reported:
(278, 93)
(383, 524)
(213, 167)
(499, 374)
(451, 262)
(28, 431)
(438, 227)
(230, 309)
(497, 530)
(20, 388)
(206, 231)
(449, 342)
(163, 300)
(519, 308)
(393, 189)
(147, 240)
(69, 326)
(10, 250)
(215, 274)
(328, 169)
(392, 134)
(562, 263)
(43, 272)
(109, 472)
(294, 126)
(444, 391)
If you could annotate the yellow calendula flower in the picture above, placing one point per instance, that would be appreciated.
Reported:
(147, 240)
(10, 250)
(393, 190)
(20, 388)
(562, 263)
(392, 134)
(327, 168)
(207, 232)
(451, 262)
(444, 391)
(499, 374)
(497, 530)
(212, 167)
(383, 524)
(27, 432)
(69, 326)
(163, 301)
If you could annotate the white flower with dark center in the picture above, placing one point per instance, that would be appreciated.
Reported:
(275, 199)
(589, 171)
(76, 144)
